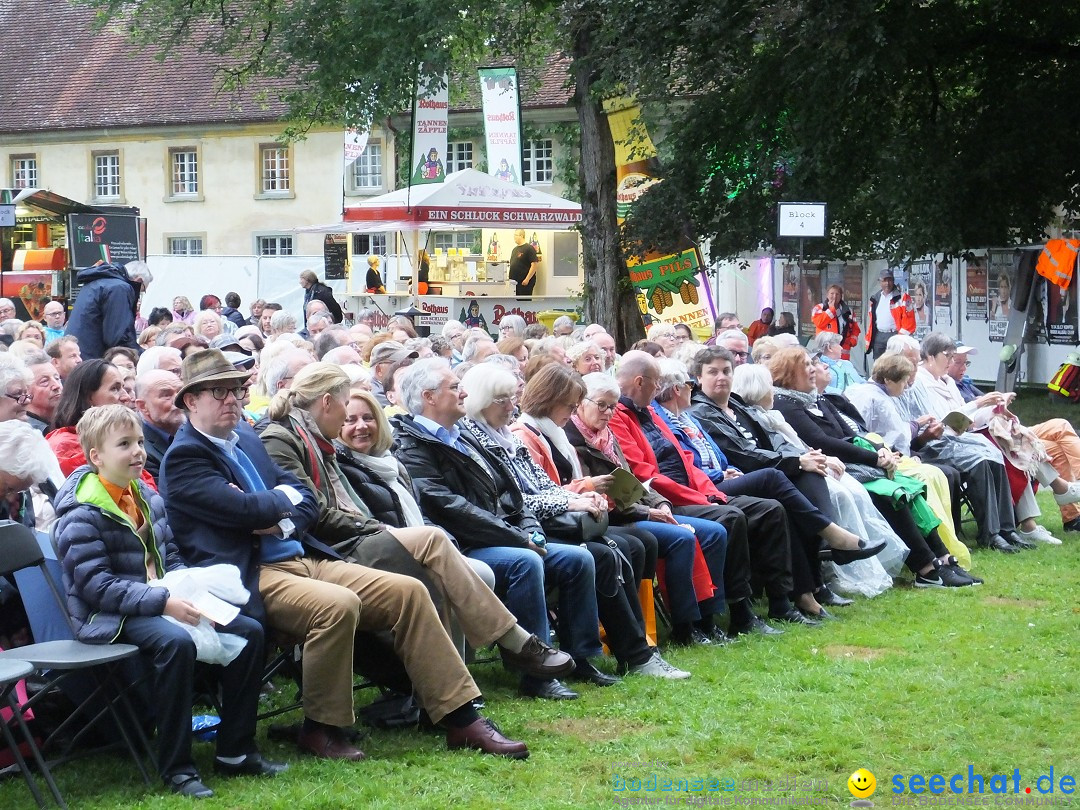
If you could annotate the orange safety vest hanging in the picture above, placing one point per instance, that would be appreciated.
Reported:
(1057, 262)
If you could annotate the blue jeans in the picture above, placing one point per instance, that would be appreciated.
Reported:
(677, 551)
(521, 574)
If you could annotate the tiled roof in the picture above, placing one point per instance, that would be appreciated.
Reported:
(56, 74)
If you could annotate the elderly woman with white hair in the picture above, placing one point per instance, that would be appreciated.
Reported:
(841, 372)
(281, 323)
(15, 381)
(511, 326)
(663, 333)
(585, 357)
(488, 406)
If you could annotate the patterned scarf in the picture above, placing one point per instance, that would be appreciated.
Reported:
(604, 440)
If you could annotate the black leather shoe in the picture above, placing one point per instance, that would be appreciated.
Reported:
(546, 690)
(795, 616)
(999, 543)
(585, 672)
(1016, 541)
(822, 616)
(828, 598)
(190, 785)
(717, 637)
(755, 626)
(843, 556)
(688, 638)
(252, 765)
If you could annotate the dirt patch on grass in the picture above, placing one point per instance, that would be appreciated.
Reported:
(859, 653)
(1000, 601)
(588, 730)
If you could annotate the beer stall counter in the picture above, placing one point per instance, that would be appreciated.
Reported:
(470, 281)
(45, 238)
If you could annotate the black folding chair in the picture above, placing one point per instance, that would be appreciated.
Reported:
(61, 660)
(12, 671)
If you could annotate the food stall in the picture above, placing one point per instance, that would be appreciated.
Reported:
(466, 224)
(45, 237)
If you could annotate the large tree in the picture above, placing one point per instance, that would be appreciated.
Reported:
(355, 62)
(929, 126)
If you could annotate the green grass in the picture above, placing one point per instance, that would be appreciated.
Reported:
(910, 682)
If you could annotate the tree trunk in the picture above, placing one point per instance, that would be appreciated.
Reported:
(610, 299)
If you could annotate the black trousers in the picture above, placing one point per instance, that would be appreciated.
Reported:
(803, 519)
(169, 652)
(923, 550)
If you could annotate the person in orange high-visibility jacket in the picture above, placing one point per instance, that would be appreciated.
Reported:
(835, 316)
(891, 313)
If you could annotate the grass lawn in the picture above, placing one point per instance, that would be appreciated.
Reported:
(913, 682)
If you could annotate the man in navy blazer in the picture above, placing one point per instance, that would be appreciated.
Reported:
(228, 502)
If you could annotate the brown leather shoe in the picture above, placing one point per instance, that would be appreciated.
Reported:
(539, 660)
(327, 743)
(484, 736)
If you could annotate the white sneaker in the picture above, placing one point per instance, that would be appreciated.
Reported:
(657, 667)
(1039, 534)
(1071, 495)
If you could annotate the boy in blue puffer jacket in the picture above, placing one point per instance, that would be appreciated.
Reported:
(113, 541)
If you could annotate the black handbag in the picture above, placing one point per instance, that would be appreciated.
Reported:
(575, 527)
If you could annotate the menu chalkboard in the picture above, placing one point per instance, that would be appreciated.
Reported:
(112, 238)
(335, 255)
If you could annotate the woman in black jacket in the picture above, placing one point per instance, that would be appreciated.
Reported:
(315, 290)
(818, 423)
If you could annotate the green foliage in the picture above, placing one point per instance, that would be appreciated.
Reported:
(926, 127)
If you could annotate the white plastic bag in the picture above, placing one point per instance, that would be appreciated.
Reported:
(215, 591)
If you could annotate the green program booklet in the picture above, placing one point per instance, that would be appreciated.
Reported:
(625, 489)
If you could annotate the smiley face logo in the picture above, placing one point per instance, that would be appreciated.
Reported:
(862, 784)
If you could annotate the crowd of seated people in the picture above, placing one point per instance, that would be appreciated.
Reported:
(380, 492)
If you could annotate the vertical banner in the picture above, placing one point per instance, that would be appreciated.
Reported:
(999, 285)
(502, 122)
(975, 290)
(920, 288)
(1061, 320)
(789, 293)
(943, 296)
(430, 108)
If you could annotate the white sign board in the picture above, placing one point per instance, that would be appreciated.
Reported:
(7, 216)
(802, 220)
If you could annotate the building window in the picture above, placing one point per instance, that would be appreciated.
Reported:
(459, 156)
(367, 170)
(185, 172)
(185, 246)
(463, 240)
(274, 170)
(369, 244)
(24, 171)
(107, 176)
(275, 245)
(538, 166)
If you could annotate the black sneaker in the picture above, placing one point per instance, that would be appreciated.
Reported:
(1071, 525)
(953, 563)
(929, 580)
(954, 576)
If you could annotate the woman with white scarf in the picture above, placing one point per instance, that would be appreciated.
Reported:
(489, 404)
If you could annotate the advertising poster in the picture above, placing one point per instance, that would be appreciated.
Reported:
(502, 122)
(114, 238)
(430, 108)
(810, 294)
(789, 291)
(30, 292)
(943, 296)
(999, 284)
(854, 295)
(675, 289)
(1061, 320)
(920, 288)
(975, 292)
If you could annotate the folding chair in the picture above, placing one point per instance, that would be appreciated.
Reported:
(61, 660)
(12, 671)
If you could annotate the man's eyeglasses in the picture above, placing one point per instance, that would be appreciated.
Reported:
(221, 393)
(22, 398)
(743, 355)
(603, 407)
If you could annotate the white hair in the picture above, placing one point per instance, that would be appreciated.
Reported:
(13, 368)
(784, 340)
(507, 361)
(823, 341)
(561, 321)
(897, 343)
(752, 382)
(318, 315)
(471, 343)
(600, 383)
(484, 383)
(452, 328)
(139, 271)
(152, 357)
(24, 453)
(672, 373)
(732, 334)
(578, 349)
(660, 329)
(423, 375)
(282, 321)
(514, 321)
(687, 351)
(277, 369)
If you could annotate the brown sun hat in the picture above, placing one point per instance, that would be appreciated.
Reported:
(204, 367)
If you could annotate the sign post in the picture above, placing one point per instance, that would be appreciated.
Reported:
(802, 220)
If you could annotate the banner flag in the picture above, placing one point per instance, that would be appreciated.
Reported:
(502, 122)
(430, 108)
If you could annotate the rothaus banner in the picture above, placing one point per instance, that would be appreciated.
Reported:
(502, 122)
(430, 109)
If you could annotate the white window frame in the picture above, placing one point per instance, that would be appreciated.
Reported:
(459, 155)
(538, 158)
(25, 172)
(378, 244)
(373, 179)
(263, 241)
(190, 244)
(275, 171)
(106, 164)
(463, 240)
(184, 187)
